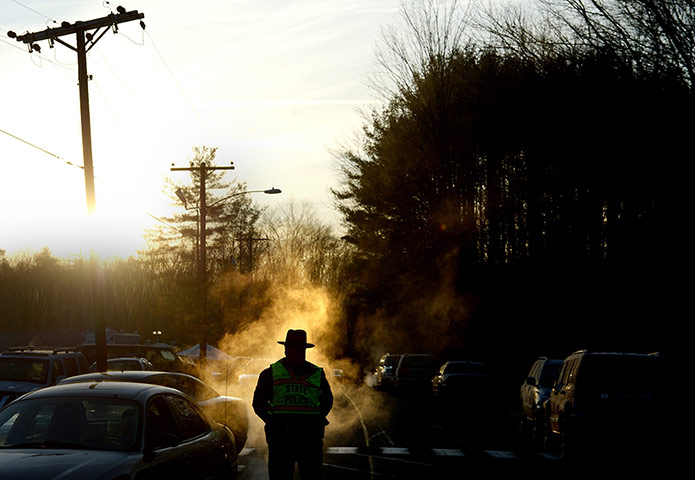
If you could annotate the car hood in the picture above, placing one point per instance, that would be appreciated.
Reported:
(55, 464)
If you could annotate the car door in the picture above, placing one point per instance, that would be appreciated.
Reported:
(527, 390)
(163, 457)
(205, 455)
(558, 394)
(179, 441)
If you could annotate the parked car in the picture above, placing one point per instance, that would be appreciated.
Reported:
(534, 392)
(601, 397)
(162, 357)
(459, 377)
(112, 430)
(415, 371)
(385, 373)
(24, 369)
(229, 411)
(116, 364)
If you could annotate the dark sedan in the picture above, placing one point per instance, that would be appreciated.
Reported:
(229, 411)
(112, 430)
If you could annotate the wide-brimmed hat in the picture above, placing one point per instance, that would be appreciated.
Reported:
(296, 338)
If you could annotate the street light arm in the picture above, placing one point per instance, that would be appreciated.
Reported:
(270, 191)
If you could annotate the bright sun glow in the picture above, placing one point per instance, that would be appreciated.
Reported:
(274, 85)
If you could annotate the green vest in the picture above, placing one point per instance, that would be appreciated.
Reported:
(295, 395)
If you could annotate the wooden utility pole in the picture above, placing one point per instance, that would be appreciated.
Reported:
(202, 170)
(87, 34)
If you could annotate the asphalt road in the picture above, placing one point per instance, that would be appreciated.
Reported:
(375, 435)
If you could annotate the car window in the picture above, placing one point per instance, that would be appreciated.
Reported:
(417, 361)
(160, 423)
(562, 376)
(70, 366)
(57, 371)
(99, 424)
(123, 364)
(82, 362)
(190, 422)
(572, 371)
(549, 373)
(24, 370)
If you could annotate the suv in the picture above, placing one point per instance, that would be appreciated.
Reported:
(605, 396)
(534, 392)
(385, 374)
(24, 369)
(415, 370)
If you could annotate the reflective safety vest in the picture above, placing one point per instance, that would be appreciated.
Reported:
(295, 395)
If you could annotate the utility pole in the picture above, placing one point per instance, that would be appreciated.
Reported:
(87, 34)
(202, 170)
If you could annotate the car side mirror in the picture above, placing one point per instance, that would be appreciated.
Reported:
(531, 381)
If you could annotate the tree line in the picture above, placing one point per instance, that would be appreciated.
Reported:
(523, 187)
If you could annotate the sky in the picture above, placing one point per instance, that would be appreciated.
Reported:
(276, 85)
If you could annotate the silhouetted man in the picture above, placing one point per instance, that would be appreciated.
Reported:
(293, 398)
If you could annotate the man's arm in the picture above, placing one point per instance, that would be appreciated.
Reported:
(263, 394)
(326, 396)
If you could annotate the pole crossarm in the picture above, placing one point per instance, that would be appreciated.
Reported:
(53, 34)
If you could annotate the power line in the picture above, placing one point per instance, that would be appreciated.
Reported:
(81, 167)
(35, 11)
(41, 149)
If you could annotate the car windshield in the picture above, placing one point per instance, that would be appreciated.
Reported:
(23, 370)
(67, 422)
(621, 374)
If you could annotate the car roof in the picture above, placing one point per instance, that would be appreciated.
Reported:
(466, 362)
(40, 352)
(615, 354)
(122, 376)
(125, 390)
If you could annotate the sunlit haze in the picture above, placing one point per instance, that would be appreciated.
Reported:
(275, 84)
